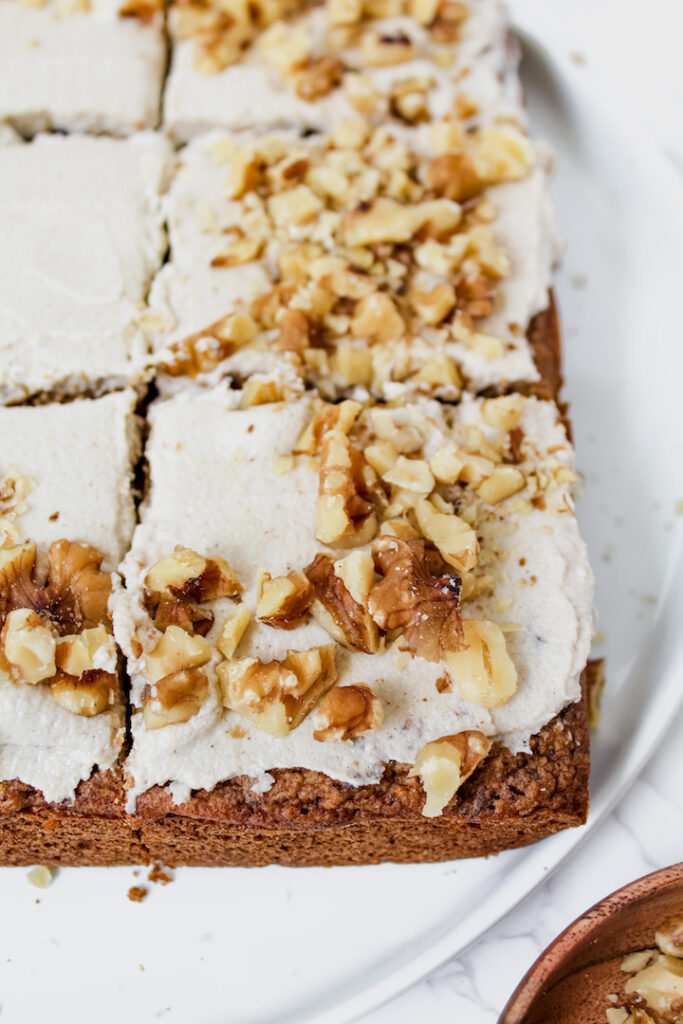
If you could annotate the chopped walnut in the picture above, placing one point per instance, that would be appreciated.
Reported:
(340, 611)
(327, 417)
(454, 176)
(319, 78)
(75, 595)
(83, 652)
(277, 695)
(443, 765)
(203, 351)
(669, 936)
(89, 694)
(377, 319)
(455, 539)
(29, 642)
(482, 669)
(176, 586)
(347, 712)
(145, 11)
(298, 330)
(382, 49)
(385, 220)
(175, 698)
(347, 487)
(284, 601)
(411, 597)
(503, 482)
(175, 650)
(233, 631)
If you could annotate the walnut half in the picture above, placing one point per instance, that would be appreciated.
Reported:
(277, 695)
(347, 712)
(443, 765)
(425, 605)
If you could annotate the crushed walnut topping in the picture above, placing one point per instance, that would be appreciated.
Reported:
(443, 765)
(177, 586)
(653, 993)
(58, 632)
(341, 590)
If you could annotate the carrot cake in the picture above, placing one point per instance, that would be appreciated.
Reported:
(82, 237)
(338, 590)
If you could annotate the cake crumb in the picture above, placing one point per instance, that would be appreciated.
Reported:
(158, 873)
(137, 893)
(40, 876)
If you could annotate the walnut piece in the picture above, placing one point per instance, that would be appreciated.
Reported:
(454, 176)
(347, 712)
(328, 417)
(443, 765)
(455, 539)
(177, 585)
(385, 220)
(89, 694)
(669, 936)
(233, 631)
(347, 485)
(483, 670)
(283, 601)
(411, 597)
(277, 695)
(175, 698)
(340, 603)
(29, 642)
(319, 78)
(83, 652)
(175, 650)
(660, 984)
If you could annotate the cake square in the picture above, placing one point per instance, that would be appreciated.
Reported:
(66, 518)
(297, 65)
(369, 261)
(81, 65)
(82, 238)
(312, 599)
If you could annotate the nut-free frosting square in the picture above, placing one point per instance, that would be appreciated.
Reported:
(82, 237)
(336, 587)
(66, 518)
(81, 65)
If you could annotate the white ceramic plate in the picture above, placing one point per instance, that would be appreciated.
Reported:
(277, 945)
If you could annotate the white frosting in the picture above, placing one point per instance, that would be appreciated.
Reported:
(253, 94)
(223, 499)
(88, 71)
(82, 237)
(78, 457)
(188, 294)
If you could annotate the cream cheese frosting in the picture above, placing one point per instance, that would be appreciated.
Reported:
(76, 462)
(228, 499)
(254, 93)
(82, 238)
(79, 67)
(194, 290)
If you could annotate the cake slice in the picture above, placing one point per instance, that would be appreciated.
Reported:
(290, 64)
(385, 261)
(334, 617)
(66, 518)
(82, 237)
(81, 65)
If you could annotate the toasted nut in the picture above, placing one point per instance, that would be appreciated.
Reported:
(354, 365)
(443, 765)
(385, 220)
(434, 306)
(40, 876)
(454, 176)
(176, 697)
(503, 482)
(277, 695)
(91, 694)
(336, 605)
(345, 511)
(78, 592)
(297, 330)
(283, 601)
(186, 574)
(285, 47)
(447, 462)
(439, 371)
(410, 474)
(243, 173)
(344, 12)
(660, 984)
(483, 670)
(377, 319)
(237, 252)
(319, 78)
(347, 712)
(175, 650)
(261, 391)
(424, 11)
(82, 652)
(327, 417)
(29, 643)
(504, 412)
(233, 631)
(379, 50)
(382, 456)
(298, 205)
(412, 598)
(501, 153)
(456, 540)
(669, 937)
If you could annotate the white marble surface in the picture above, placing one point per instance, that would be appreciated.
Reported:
(634, 49)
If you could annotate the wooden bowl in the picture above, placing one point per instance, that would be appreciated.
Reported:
(571, 980)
